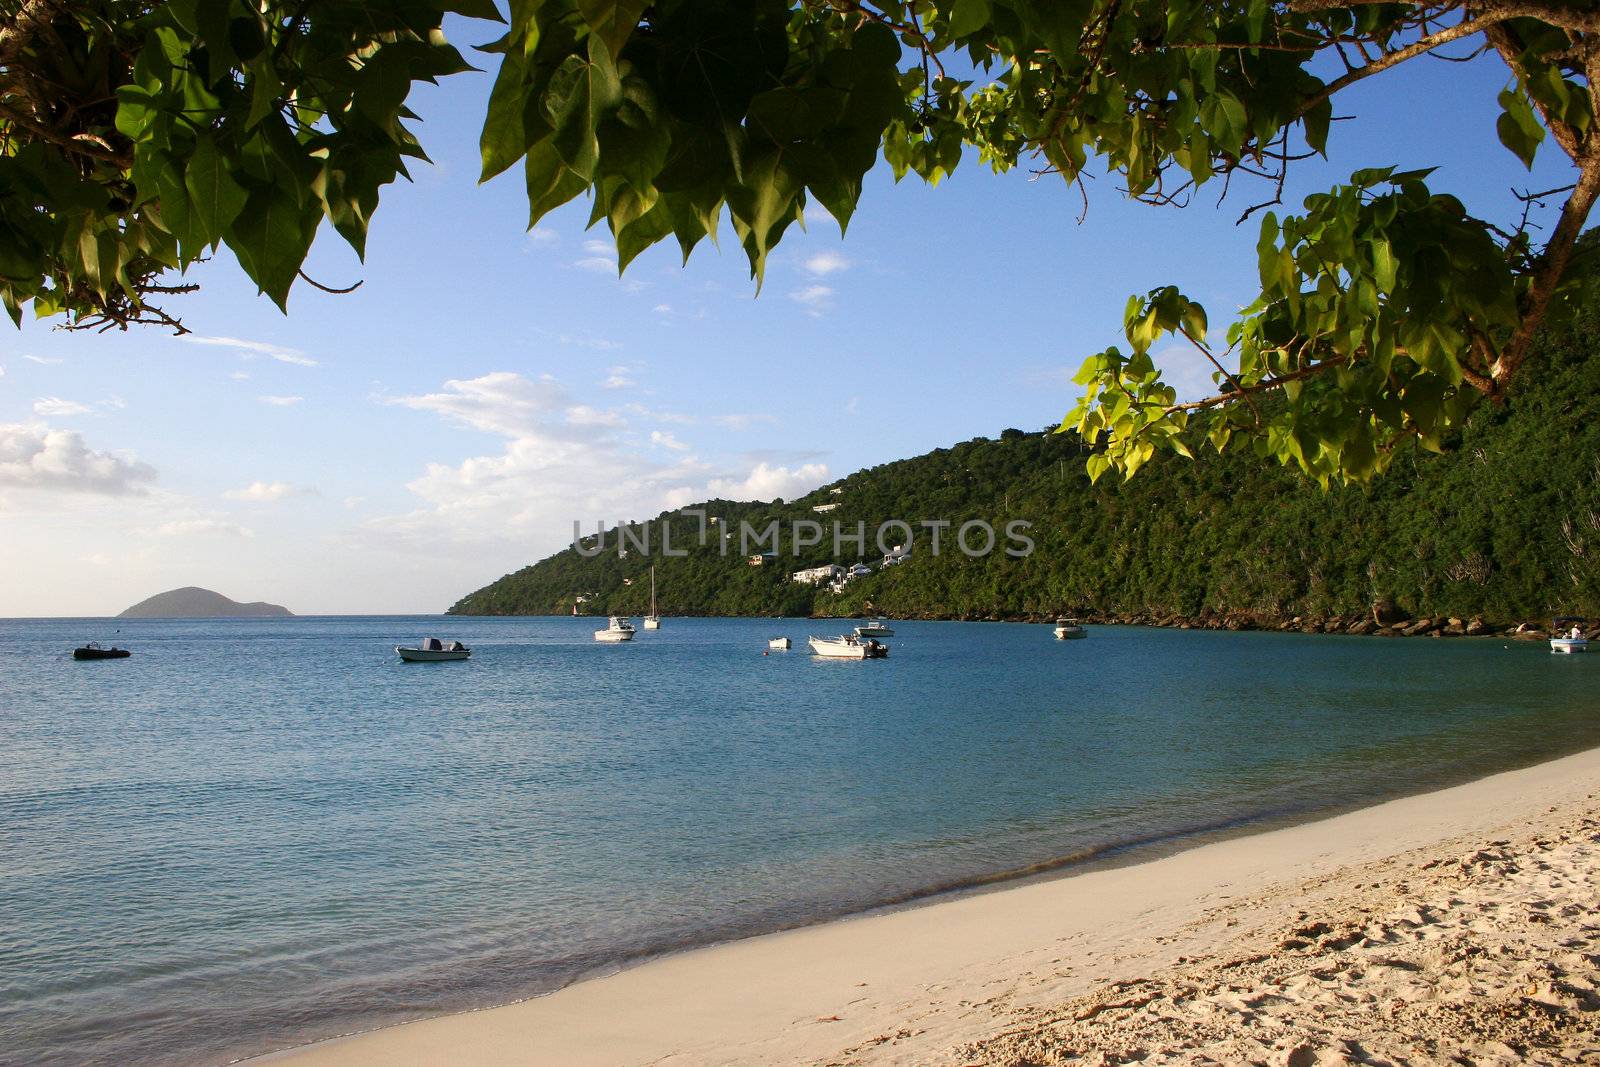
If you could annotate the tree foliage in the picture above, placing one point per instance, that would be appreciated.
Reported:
(1386, 311)
(135, 138)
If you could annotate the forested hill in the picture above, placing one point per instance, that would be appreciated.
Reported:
(1505, 524)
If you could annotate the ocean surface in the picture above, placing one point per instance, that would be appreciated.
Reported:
(254, 834)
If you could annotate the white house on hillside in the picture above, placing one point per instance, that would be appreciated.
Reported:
(817, 575)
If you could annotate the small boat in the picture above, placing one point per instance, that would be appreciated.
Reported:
(848, 646)
(1568, 641)
(93, 651)
(878, 627)
(652, 621)
(1069, 630)
(433, 650)
(617, 629)
(779, 643)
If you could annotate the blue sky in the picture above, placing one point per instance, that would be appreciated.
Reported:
(390, 450)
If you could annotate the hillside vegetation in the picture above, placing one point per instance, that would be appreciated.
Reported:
(1505, 524)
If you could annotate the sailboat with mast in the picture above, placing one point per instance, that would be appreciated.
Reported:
(652, 621)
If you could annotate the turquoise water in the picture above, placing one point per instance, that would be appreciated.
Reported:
(258, 833)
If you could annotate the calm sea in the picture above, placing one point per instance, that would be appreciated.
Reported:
(258, 833)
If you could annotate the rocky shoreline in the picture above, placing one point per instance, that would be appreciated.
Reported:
(1380, 622)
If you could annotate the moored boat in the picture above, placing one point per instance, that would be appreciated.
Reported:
(848, 646)
(433, 650)
(1565, 640)
(1069, 630)
(617, 629)
(652, 621)
(93, 651)
(878, 627)
(780, 643)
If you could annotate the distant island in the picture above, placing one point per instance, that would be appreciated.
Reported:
(192, 602)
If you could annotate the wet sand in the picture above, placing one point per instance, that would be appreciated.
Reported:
(1460, 926)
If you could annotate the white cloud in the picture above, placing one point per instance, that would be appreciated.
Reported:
(617, 378)
(666, 440)
(852, 406)
(502, 402)
(596, 264)
(48, 361)
(767, 482)
(113, 403)
(37, 457)
(199, 528)
(543, 237)
(240, 376)
(663, 309)
(281, 401)
(56, 407)
(260, 492)
(814, 298)
(251, 349)
(597, 247)
(560, 461)
(599, 344)
(825, 263)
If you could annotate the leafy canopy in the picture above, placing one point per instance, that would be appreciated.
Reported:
(1386, 311)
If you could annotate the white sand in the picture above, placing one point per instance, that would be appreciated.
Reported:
(1374, 927)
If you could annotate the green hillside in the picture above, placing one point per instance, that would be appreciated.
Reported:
(1505, 524)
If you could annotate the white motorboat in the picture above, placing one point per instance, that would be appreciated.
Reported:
(652, 621)
(875, 628)
(433, 650)
(617, 629)
(1069, 630)
(1568, 641)
(848, 646)
(780, 643)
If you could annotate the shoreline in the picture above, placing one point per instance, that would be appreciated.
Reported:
(1347, 625)
(804, 994)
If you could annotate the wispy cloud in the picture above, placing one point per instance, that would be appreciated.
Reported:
(263, 492)
(665, 440)
(825, 263)
(281, 401)
(814, 298)
(199, 528)
(768, 482)
(598, 344)
(598, 256)
(47, 361)
(57, 407)
(617, 377)
(252, 349)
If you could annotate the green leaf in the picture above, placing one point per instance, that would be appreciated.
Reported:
(968, 17)
(215, 198)
(1519, 130)
(613, 21)
(271, 238)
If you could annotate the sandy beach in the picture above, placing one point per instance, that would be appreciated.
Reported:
(1460, 926)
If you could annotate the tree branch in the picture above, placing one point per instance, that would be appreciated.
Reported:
(1246, 391)
(1465, 28)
